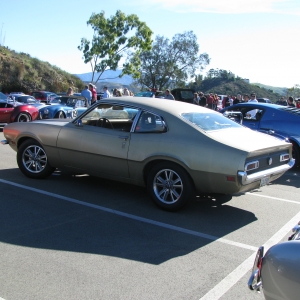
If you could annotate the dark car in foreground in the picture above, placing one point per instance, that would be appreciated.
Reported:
(12, 111)
(62, 107)
(177, 151)
(280, 121)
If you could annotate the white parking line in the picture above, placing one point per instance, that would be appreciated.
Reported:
(274, 198)
(231, 279)
(141, 219)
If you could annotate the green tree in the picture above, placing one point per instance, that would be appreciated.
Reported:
(117, 38)
(171, 63)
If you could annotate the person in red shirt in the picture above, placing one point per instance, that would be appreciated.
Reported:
(298, 103)
(94, 93)
(210, 101)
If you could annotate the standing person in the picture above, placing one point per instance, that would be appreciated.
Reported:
(252, 113)
(290, 102)
(226, 102)
(169, 96)
(118, 93)
(87, 94)
(216, 102)
(298, 103)
(210, 101)
(126, 92)
(238, 99)
(94, 93)
(282, 102)
(106, 93)
(202, 101)
(253, 98)
(70, 91)
(196, 99)
(114, 92)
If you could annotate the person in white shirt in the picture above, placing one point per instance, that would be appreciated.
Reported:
(106, 93)
(252, 113)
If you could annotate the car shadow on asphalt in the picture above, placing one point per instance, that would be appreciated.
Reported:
(41, 220)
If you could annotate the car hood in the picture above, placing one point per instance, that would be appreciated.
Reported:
(247, 139)
(58, 122)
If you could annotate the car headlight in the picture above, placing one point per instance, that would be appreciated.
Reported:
(46, 111)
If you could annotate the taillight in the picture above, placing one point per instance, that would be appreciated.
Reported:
(252, 165)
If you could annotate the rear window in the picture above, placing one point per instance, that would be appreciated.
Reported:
(210, 121)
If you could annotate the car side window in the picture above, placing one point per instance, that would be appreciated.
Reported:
(111, 116)
(149, 122)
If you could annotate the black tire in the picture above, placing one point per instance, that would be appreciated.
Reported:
(60, 115)
(296, 154)
(23, 117)
(170, 186)
(33, 161)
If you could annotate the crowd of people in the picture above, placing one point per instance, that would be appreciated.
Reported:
(211, 101)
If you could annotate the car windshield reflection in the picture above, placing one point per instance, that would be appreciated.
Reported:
(209, 121)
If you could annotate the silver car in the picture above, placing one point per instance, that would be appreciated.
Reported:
(175, 149)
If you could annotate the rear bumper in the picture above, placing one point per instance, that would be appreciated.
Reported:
(246, 179)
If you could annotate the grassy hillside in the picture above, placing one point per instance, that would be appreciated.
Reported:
(236, 86)
(19, 72)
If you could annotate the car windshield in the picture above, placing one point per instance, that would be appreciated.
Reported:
(210, 121)
(59, 100)
(27, 99)
(2, 96)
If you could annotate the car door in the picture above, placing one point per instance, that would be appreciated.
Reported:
(95, 149)
(6, 110)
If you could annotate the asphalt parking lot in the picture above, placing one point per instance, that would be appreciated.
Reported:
(81, 237)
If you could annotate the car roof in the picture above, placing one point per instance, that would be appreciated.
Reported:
(155, 104)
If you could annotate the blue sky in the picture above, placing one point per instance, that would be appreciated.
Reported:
(254, 39)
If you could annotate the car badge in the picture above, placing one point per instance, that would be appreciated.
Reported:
(270, 161)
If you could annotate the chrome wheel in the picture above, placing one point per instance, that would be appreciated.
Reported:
(34, 159)
(167, 186)
(23, 117)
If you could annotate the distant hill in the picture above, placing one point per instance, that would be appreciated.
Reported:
(279, 90)
(19, 72)
(234, 86)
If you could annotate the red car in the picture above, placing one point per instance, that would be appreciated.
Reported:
(43, 96)
(17, 112)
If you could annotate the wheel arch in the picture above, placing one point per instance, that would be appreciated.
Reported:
(150, 164)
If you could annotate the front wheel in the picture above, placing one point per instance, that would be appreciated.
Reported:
(33, 161)
(60, 115)
(23, 117)
(169, 186)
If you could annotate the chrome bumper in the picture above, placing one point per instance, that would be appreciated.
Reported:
(247, 179)
(4, 142)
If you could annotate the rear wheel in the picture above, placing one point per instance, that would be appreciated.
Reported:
(33, 161)
(23, 117)
(169, 186)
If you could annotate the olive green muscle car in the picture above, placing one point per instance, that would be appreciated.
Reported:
(177, 150)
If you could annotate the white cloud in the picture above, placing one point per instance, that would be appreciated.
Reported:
(227, 6)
